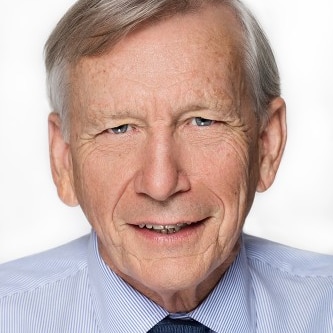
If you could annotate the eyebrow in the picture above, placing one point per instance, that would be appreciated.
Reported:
(224, 106)
(107, 113)
(217, 105)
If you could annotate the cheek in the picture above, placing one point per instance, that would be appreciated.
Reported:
(100, 180)
(224, 167)
(230, 175)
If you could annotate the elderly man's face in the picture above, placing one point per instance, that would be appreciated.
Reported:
(164, 154)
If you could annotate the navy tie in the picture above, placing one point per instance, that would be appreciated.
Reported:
(168, 325)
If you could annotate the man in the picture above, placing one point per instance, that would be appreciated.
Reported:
(167, 119)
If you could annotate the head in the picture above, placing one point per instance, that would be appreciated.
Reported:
(167, 120)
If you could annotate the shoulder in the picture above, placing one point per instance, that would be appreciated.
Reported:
(292, 284)
(46, 268)
(288, 260)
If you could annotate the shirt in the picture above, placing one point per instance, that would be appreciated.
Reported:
(268, 288)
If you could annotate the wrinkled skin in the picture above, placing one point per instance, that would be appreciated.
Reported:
(163, 132)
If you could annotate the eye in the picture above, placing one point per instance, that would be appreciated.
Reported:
(199, 121)
(119, 129)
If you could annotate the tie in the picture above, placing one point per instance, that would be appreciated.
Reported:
(168, 325)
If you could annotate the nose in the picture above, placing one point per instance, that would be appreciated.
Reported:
(161, 176)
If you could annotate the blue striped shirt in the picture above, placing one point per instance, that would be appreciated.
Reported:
(269, 288)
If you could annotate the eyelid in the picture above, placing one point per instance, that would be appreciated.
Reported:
(204, 122)
(120, 129)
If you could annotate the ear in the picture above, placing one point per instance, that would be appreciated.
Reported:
(273, 138)
(61, 161)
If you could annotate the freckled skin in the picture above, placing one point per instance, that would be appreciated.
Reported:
(165, 169)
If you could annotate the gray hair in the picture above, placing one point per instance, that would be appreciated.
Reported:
(92, 27)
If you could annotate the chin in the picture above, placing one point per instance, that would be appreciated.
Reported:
(169, 275)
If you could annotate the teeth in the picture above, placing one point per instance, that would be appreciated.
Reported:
(158, 227)
(165, 229)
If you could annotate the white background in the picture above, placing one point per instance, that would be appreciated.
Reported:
(297, 210)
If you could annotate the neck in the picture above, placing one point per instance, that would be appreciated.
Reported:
(189, 299)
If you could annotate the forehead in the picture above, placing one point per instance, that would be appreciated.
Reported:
(210, 31)
(196, 48)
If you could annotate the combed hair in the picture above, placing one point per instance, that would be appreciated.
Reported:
(92, 27)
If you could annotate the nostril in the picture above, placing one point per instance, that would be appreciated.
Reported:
(161, 185)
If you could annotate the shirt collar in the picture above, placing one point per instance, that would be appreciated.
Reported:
(121, 308)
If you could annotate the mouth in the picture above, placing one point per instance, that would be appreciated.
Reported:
(166, 229)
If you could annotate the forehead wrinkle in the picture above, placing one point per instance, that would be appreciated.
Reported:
(116, 105)
(213, 97)
(158, 104)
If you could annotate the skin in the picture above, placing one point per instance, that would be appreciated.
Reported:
(163, 132)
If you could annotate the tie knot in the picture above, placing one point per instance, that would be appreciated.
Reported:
(168, 325)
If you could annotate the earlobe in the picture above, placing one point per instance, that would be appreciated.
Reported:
(60, 159)
(272, 143)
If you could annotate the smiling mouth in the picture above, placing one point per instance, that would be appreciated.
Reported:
(165, 229)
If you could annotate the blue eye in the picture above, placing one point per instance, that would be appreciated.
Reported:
(119, 129)
(203, 121)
